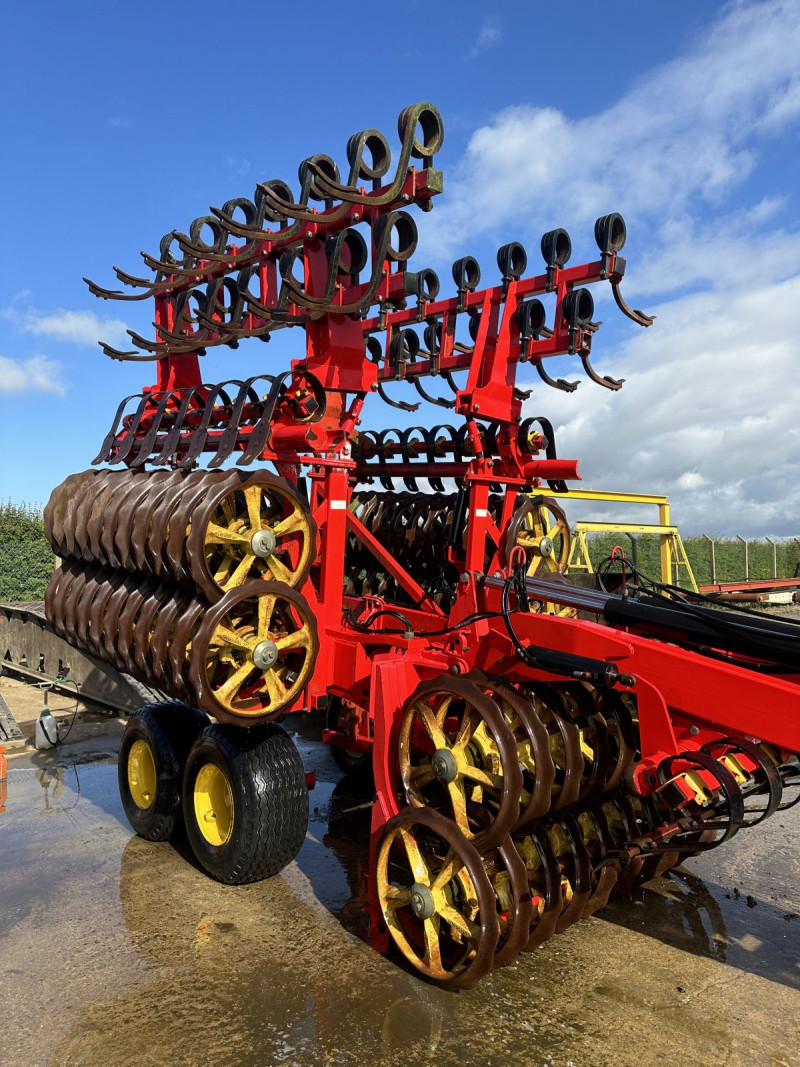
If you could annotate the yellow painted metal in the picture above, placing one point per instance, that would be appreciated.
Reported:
(142, 775)
(672, 552)
(213, 804)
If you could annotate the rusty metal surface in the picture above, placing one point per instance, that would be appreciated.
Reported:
(29, 649)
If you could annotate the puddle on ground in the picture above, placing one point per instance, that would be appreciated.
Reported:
(114, 950)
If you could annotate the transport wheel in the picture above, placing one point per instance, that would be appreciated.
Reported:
(436, 898)
(150, 764)
(245, 801)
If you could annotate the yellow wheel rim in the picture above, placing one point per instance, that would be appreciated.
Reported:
(213, 804)
(142, 775)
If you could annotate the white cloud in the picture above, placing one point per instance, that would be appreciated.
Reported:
(489, 35)
(36, 375)
(708, 414)
(75, 327)
(685, 134)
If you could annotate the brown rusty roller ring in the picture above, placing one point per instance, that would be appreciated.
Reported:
(84, 492)
(113, 499)
(578, 871)
(55, 594)
(253, 653)
(95, 516)
(533, 732)
(181, 641)
(162, 633)
(114, 605)
(594, 740)
(183, 517)
(128, 621)
(548, 705)
(481, 752)
(80, 594)
(514, 933)
(195, 487)
(140, 532)
(127, 514)
(95, 622)
(621, 740)
(451, 889)
(627, 831)
(69, 603)
(159, 522)
(604, 873)
(59, 508)
(125, 627)
(255, 526)
(158, 596)
(81, 631)
(543, 922)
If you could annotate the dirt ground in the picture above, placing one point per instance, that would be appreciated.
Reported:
(116, 951)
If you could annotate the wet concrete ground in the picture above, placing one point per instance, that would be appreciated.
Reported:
(117, 951)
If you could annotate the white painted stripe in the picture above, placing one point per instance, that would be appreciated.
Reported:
(338, 505)
(481, 513)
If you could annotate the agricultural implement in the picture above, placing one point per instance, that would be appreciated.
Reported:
(536, 747)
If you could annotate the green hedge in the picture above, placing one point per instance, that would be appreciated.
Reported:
(26, 560)
(729, 557)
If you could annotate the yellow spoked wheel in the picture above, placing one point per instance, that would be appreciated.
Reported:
(257, 529)
(458, 756)
(213, 804)
(436, 899)
(141, 775)
(540, 527)
(254, 652)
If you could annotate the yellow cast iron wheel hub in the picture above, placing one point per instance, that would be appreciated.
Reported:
(213, 804)
(142, 775)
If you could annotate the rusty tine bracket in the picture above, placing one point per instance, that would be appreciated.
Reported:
(632, 313)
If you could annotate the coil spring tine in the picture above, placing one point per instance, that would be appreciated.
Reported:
(147, 443)
(200, 433)
(172, 440)
(107, 448)
(230, 435)
(605, 380)
(555, 383)
(441, 402)
(772, 780)
(259, 435)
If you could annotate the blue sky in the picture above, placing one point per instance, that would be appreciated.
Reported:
(120, 125)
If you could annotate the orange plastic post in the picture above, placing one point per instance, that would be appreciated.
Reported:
(3, 763)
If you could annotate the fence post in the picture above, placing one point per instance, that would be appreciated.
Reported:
(774, 555)
(713, 559)
(746, 557)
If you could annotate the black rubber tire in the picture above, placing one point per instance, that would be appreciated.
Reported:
(169, 728)
(353, 764)
(270, 801)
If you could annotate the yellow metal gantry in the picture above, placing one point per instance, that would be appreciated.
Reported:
(672, 552)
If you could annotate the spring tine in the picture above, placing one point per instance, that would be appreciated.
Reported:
(260, 433)
(107, 447)
(556, 383)
(632, 313)
(199, 434)
(115, 294)
(441, 402)
(172, 441)
(401, 404)
(606, 380)
(229, 437)
(126, 444)
(145, 448)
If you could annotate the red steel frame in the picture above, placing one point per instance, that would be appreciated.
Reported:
(684, 699)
